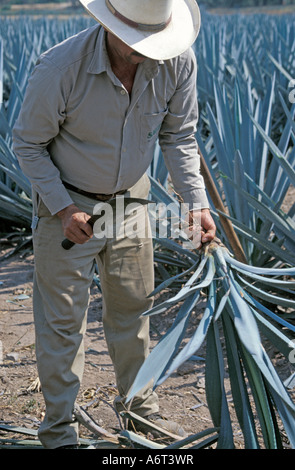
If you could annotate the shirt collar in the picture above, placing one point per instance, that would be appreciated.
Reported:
(100, 60)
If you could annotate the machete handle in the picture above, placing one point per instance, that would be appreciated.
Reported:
(67, 244)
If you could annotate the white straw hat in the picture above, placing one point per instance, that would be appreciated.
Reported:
(158, 29)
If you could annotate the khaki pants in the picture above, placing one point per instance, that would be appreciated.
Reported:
(61, 295)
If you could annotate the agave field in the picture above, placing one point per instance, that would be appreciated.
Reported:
(246, 135)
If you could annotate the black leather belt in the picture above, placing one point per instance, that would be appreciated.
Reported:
(96, 196)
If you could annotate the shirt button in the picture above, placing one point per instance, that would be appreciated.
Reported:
(123, 92)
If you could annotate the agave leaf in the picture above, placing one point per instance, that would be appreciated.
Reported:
(242, 211)
(225, 164)
(194, 437)
(267, 129)
(240, 318)
(206, 443)
(290, 381)
(171, 280)
(244, 321)
(18, 178)
(225, 121)
(289, 114)
(1, 72)
(19, 213)
(215, 390)
(257, 269)
(158, 360)
(17, 429)
(271, 281)
(279, 66)
(262, 294)
(198, 337)
(239, 387)
(285, 224)
(189, 288)
(277, 153)
(263, 405)
(278, 339)
(262, 244)
(140, 440)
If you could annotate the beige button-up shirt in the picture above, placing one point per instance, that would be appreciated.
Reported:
(78, 123)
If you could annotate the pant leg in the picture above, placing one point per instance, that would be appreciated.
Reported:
(127, 277)
(61, 295)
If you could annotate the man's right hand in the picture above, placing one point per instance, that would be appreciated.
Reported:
(74, 223)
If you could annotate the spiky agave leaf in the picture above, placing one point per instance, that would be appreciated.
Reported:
(1, 72)
(15, 189)
(252, 184)
(237, 310)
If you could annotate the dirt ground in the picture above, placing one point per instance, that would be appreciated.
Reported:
(182, 397)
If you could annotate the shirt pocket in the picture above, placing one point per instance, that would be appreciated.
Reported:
(149, 130)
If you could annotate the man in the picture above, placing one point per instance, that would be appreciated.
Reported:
(93, 110)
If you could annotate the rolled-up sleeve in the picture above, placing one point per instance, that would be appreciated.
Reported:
(177, 138)
(42, 114)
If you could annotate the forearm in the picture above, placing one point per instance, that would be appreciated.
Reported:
(178, 142)
(184, 168)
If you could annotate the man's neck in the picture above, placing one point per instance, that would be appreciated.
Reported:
(124, 71)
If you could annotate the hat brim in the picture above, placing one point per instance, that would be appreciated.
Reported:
(172, 41)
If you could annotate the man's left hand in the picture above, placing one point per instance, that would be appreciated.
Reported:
(202, 226)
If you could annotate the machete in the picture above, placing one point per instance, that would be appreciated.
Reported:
(68, 244)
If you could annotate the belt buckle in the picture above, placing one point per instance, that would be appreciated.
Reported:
(104, 197)
(108, 197)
